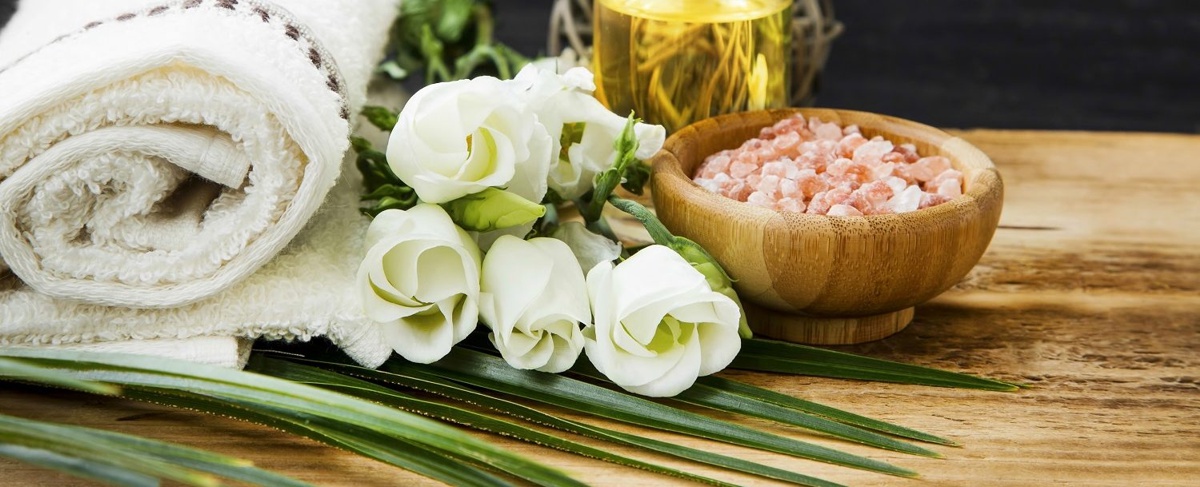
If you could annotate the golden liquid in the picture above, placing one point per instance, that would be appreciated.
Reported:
(674, 62)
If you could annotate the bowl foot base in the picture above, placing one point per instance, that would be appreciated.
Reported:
(815, 330)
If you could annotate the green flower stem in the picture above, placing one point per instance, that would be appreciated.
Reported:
(658, 232)
(626, 147)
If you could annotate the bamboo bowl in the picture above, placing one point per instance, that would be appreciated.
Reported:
(829, 280)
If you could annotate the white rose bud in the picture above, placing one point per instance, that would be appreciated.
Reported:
(420, 281)
(461, 137)
(534, 299)
(657, 324)
(564, 104)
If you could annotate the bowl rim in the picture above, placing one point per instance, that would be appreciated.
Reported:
(979, 186)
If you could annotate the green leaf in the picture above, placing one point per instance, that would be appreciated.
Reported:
(784, 400)
(76, 466)
(416, 458)
(382, 118)
(720, 400)
(423, 378)
(776, 356)
(80, 443)
(482, 370)
(230, 385)
(370, 391)
(20, 370)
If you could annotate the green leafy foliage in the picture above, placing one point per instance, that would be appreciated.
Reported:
(448, 40)
(383, 190)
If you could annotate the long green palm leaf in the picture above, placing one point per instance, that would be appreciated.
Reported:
(724, 401)
(147, 372)
(368, 390)
(784, 400)
(416, 378)
(781, 357)
(485, 371)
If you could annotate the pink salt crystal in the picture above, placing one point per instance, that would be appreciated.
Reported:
(709, 185)
(893, 157)
(883, 171)
(754, 180)
(909, 152)
(845, 170)
(789, 189)
(907, 200)
(949, 179)
(769, 186)
(740, 169)
(790, 204)
(810, 183)
(927, 168)
(719, 163)
(722, 180)
(786, 143)
(849, 143)
(928, 200)
(952, 189)
(872, 151)
(877, 193)
(758, 198)
(851, 129)
(777, 168)
(739, 190)
(843, 210)
(828, 131)
(896, 184)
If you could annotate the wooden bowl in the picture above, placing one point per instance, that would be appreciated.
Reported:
(824, 279)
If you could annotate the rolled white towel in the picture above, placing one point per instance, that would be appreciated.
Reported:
(153, 154)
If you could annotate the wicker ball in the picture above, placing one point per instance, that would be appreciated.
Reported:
(813, 30)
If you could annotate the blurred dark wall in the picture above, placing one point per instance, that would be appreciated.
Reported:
(1037, 64)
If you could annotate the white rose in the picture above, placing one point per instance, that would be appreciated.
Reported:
(567, 99)
(420, 281)
(657, 324)
(534, 299)
(589, 248)
(458, 138)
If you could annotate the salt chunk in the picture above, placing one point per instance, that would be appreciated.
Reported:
(827, 131)
(897, 184)
(871, 152)
(907, 200)
(758, 198)
(843, 210)
(790, 204)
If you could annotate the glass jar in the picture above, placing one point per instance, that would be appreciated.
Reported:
(674, 62)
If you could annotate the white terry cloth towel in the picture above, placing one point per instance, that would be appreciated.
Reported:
(308, 290)
(154, 153)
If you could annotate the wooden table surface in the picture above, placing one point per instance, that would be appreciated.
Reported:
(1090, 292)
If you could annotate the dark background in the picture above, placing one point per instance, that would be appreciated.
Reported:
(1036, 64)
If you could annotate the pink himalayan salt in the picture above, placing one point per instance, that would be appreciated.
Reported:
(819, 167)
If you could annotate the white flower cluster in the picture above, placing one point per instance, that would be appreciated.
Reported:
(651, 323)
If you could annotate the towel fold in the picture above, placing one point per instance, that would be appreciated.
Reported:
(153, 155)
(156, 159)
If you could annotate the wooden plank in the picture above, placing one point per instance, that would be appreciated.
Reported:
(1089, 293)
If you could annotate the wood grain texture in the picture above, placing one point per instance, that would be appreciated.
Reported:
(827, 279)
(1090, 292)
